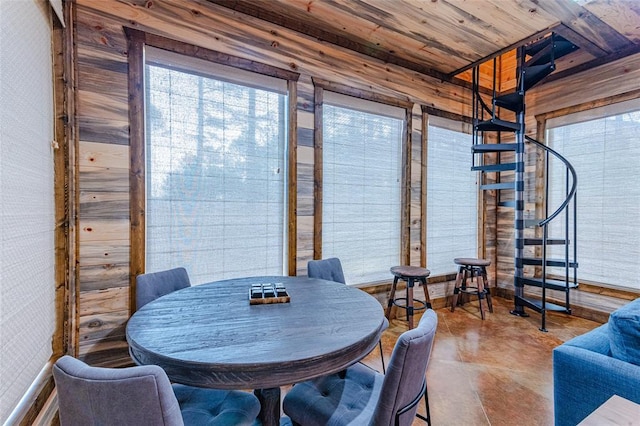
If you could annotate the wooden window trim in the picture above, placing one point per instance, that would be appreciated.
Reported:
(482, 236)
(136, 41)
(541, 131)
(320, 85)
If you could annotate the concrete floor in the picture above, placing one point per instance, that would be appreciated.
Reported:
(492, 372)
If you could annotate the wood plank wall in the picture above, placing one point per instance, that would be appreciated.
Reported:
(104, 153)
(102, 121)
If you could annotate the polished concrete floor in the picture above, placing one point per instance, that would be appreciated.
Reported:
(492, 372)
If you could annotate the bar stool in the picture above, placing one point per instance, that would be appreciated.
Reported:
(468, 268)
(410, 274)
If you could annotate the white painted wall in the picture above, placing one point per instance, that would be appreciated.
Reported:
(27, 308)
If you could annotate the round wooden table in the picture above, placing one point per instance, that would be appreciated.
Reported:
(210, 336)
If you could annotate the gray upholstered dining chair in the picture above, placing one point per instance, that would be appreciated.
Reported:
(331, 270)
(155, 284)
(143, 396)
(363, 396)
(326, 269)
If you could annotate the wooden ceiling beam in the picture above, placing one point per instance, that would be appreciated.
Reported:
(580, 41)
(586, 24)
(354, 44)
(632, 50)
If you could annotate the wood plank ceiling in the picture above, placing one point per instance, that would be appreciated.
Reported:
(444, 38)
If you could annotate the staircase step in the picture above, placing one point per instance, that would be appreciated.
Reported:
(497, 125)
(534, 74)
(494, 147)
(542, 56)
(563, 47)
(541, 53)
(560, 263)
(552, 284)
(550, 241)
(538, 45)
(536, 305)
(501, 167)
(511, 101)
(500, 185)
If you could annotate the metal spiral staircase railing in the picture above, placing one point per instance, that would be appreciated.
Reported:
(535, 62)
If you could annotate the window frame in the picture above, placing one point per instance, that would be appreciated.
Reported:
(481, 202)
(320, 86)
(587, 112)
(137, 41)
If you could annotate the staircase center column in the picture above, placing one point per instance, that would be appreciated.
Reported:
(519, 215)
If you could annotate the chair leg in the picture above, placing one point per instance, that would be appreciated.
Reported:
(426, 403)
(384, 370)
(426, 418)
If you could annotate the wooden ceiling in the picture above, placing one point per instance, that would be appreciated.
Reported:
(445, 38)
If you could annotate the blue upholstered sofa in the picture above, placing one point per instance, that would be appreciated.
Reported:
(589, 369)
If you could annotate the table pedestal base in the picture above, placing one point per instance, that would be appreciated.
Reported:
(270, 406)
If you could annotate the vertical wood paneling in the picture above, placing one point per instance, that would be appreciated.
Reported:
(424, 127)
(135, 79)
(317, 171)
(305, 179)
(405, 201)
(292, 192)
(103, 181)
(417, 170)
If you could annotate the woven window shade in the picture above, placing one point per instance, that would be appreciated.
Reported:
(27, 228)
(452, 195)
(361, 186)
(602, 145)
(215, 173)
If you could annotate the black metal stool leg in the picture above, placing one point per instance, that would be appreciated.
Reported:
(392, 295)
(427, 299)
(410, 302)
(456, 290)
(487, 291)
(479, 289)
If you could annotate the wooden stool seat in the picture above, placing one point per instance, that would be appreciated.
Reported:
(405, 271)
(410, 274)
(471, 261)
(468, 268)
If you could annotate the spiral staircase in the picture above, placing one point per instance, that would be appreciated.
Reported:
(502, 165)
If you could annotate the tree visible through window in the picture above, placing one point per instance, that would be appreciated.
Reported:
(215, 175)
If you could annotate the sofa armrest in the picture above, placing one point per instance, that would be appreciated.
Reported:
(583, 380)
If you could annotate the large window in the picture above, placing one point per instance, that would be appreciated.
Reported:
(361, 215)
(215, 169)
(602, 145)
(452, 195)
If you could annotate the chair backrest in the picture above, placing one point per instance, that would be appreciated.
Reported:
(406, 372)
(114, 396)
(153, 285)
(326, 269)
